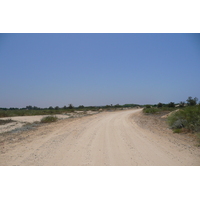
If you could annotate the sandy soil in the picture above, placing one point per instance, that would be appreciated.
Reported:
(21, 121)
(121, 138)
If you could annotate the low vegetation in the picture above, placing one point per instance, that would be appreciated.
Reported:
(186, 117)
(157, 110)
(33, 110)
(2, 122)
(49, 119)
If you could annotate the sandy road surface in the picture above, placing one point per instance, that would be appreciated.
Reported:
(108, 138)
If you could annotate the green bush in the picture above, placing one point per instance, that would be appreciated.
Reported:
(49, 119)
(198, 137)
(148, 106)
(188, 118)
(177, 130)
(150, 110)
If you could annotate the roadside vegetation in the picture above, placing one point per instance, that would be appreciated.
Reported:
(184, 119)
(33, 110)
(49, 119)
(2, 122)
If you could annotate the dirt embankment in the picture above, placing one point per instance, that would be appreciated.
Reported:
(157, 123)
(126, 138)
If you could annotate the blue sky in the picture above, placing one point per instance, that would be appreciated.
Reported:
(98, 69)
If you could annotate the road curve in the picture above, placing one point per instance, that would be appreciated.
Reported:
(105, 139)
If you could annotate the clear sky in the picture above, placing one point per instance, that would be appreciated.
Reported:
(98, 69)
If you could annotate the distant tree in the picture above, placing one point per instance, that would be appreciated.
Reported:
(181, 104)
(81, 106)
(171, 104)
(56, 108)
(191, 101)
(29, 107)
(36, 108)
(50, 108)
(65, 107)
(70, 106)
(160, 105)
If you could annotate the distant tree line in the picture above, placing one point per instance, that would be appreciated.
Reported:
(70, 106)
(189, 102)
(38, 108)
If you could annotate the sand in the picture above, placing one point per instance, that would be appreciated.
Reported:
(117, 138)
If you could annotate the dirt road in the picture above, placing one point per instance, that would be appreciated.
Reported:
(108, 138)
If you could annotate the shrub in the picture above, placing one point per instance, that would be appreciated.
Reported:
(188, 118)
(177, 130)
(49, 119)
(150, 110)
(198, 137)
(148, 106)
(3, 113)
(2, 122)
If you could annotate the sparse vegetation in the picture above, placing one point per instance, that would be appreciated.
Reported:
(188, 118)
(177, 130)
(148, 106)
(2, 122)
(33, 110)
(49, 119)
(150, 110)
(156, 110)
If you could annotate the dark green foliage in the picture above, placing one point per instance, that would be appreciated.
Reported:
(148, 106)
(130, 105)
(29, 107)
(191, 101)
(177, 130)
(71, 106)
(56, 108)
(117, 106)
(171, 105)
(154, 110)
(150, 110)
(4, 113)
(49, 119)
(181, 104)
(198, 137)
(160, 105)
